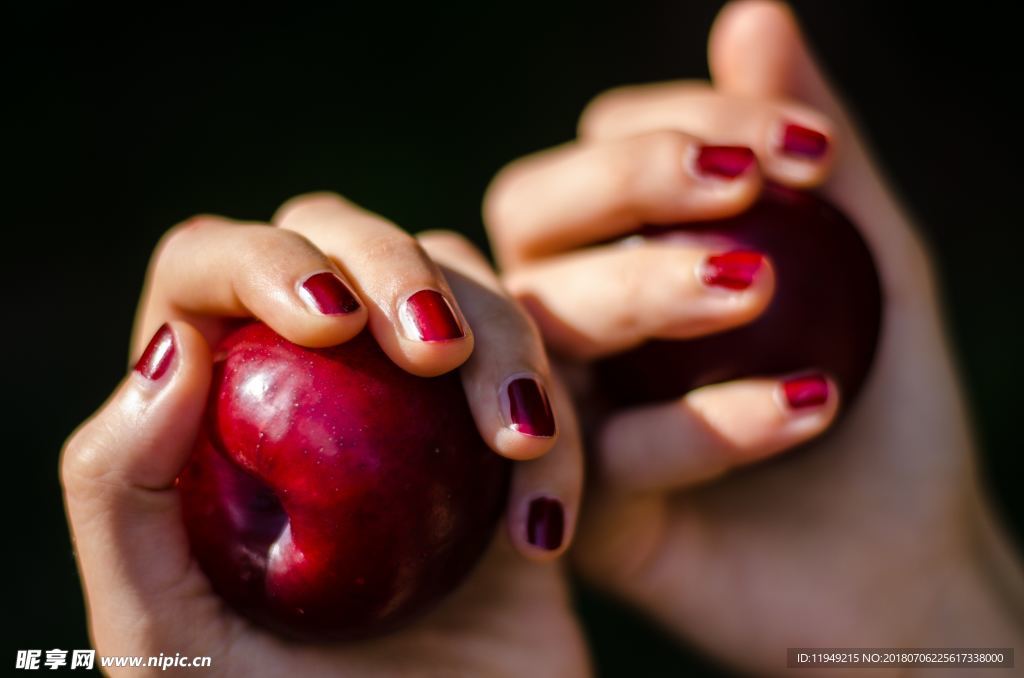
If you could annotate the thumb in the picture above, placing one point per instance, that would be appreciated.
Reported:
(118, 472)
(756, 49)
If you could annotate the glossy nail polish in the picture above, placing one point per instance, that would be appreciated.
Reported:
(806, 391)
(545, 523)
(732, 270)
(327, 294)
(802, 142)
(159, 354)
(724, 162)
(428, 316)
(529, 408)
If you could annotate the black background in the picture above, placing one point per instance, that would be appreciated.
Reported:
(126, 124)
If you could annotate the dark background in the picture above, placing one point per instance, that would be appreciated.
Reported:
(126, 124)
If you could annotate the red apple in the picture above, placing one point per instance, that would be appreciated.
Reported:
(825, 313)
(331, 494)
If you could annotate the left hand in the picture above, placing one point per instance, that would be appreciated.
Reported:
(878, 535)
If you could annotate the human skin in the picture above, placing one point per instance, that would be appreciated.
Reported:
(512, 617)
(878, 534)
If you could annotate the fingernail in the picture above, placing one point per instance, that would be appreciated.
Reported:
(802, 142)
(428, 316)
(545, 523)
(806, 391)
(724, 162)
(325, 293)
(529, 408)
(159, 354)
(732, 270)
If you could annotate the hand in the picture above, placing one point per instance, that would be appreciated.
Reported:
(146, 593)
(878, 534)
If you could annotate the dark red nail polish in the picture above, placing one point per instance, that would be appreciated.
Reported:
(328, 294)
(529, 409)
(428, 316)
(159, 354)
(733, 270)
(724, 162)
(545, 524)
(806, 391)
(802, 142)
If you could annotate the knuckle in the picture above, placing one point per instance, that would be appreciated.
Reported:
(502, 195)
(195, 222)
(667, 146)
(619, 172)
(600, 110)
(80, 459)
(634, 282)
(395, 244)
(274, 255)
(268, 244)
(172, 239)
(292, 207)
(610, 109)
(445, 239)
(439, 243)
(631, 168)
(509, 320)
(664, 154)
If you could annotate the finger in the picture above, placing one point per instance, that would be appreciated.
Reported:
(794, 142)
(118, 472)
(711, 430)
(507, 377)
(412, 312)
(507, 381)
(579, 194)
(756, 49)
(606, 299)
(211, 268)
(545, 493)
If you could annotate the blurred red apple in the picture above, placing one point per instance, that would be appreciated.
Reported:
(825, 313)
(331, 494)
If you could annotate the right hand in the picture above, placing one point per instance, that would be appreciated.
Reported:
(878, 535)
(145, 592)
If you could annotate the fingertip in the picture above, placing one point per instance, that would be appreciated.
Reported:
(810, 401)
(320, 310)
(516, 416)
(319, 331)
(731, 173)
(423, 358)
(142, 435)
(747, 46)
(429, 337)
(758, 49)
(170, 413)
(176, 357)
(314, 202)
(803, 146)
(541, 527)
(429, 316)
(743, 279)
(545, 494)
(518, 446)
(759, 417)
(528, 424)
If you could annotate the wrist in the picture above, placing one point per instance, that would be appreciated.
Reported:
(981, 604)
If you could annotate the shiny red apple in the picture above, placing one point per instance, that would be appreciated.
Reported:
(825, 313)
(331, 494)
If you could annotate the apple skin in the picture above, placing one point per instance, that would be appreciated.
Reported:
(825, 313)
(332, 495)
